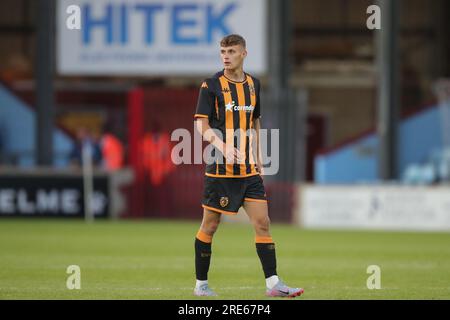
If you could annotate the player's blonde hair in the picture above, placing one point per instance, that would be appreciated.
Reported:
(232, 40)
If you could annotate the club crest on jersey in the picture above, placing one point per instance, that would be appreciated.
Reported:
(223, 202)
(251, 89)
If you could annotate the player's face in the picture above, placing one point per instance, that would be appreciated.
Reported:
(233, 56)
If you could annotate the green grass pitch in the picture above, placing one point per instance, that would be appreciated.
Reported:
(155, 260)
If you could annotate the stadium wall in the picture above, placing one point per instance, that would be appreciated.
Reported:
(17, 133)
(356, 162)
(403, 208)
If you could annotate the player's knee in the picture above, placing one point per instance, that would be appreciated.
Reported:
(211, 227)
(262, 223)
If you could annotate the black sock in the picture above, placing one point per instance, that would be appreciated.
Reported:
(266, 253)
(202, 259)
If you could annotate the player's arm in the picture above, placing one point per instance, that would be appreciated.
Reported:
(204, 111)
(203, 127)
(231, 154)
(257, 126)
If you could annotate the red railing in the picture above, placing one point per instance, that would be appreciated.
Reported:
(180, 192)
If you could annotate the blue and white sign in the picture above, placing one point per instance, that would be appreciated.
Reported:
(157, 37)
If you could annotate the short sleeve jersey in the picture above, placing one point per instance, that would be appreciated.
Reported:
(231, 105)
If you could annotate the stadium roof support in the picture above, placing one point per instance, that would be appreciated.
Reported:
(44, 81)
(387, 42)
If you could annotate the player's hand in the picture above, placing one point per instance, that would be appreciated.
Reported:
(260, 169)
(239, 156)
(233, 155)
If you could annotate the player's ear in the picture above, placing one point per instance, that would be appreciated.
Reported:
(244, 53)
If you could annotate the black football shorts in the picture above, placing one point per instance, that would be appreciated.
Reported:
(227, 195)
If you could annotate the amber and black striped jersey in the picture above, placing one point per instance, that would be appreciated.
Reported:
(231, 105)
